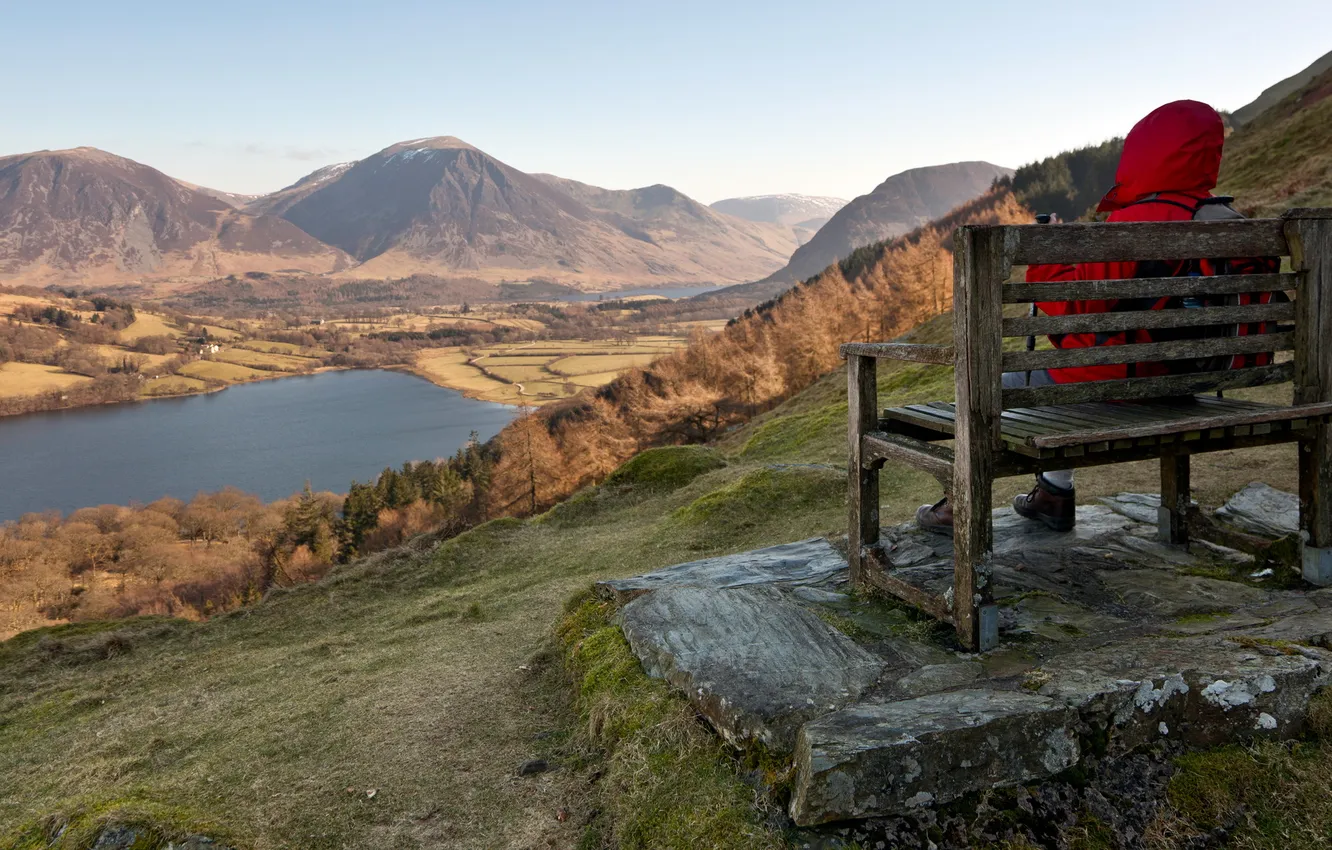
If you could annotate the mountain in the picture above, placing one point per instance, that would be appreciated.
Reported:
(231, 199)
(1274, 94)
(1282, 158)
(85, 215)
(804, 214)
(898, 205)
(276, 203)
(439, 205)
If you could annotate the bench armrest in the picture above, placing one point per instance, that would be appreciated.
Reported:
(941, 355)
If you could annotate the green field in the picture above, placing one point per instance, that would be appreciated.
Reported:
(173, 385)
(220, 371)
(270, 362)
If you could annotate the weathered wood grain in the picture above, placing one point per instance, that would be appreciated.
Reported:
(981, 263)
(1310, 235)
(1146, 287)
(863, 483)
(1176, 426)
(1147, 319)
(1172, 521)
(1144, 388)
(879, 447)
(917, 353)
(880, 576)
(1175, 240)
(1149, 352)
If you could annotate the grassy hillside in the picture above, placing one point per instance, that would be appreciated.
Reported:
(1283, 157)
(428, 675)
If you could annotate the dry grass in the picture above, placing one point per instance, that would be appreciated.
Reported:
(147, 324)
(20, 379)
(589, 364)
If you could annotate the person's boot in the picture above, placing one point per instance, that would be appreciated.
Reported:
(1049, 504)
(936, 518)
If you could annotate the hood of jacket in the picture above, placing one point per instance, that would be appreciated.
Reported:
(1177, 148)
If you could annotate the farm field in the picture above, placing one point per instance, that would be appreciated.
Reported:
(220, 371)
(20, 379)
(147, 324)
(173, 385)
(538, 372)
(270, 362)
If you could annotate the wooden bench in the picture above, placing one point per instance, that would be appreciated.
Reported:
(998, 432)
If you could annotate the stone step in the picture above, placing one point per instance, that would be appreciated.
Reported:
(878, 759)
(753, 663)
(891, 758)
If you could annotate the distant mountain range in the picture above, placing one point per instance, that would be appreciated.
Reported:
(436, 206)
(804, 214)
(898, 205)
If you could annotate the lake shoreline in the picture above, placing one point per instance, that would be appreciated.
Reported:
(268, 439)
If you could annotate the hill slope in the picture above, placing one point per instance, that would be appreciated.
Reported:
(1274, 94)
(898, 205)
(87, 215)
(439, 205)
(1283, 157)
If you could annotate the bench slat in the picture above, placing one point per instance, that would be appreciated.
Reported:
(1087, 242)
(1146, 287)
(1183, 349)
(879, 446)
(1147, 319)
(1200, 423)
(938, 354)
(1147, 388)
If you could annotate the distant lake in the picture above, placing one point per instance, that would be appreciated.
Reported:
(267, 438)
(671, 292)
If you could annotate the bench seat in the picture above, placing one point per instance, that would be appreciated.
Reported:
(1073, 430)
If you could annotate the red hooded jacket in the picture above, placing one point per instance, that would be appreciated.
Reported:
(1173, 153)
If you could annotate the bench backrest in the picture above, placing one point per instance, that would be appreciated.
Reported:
(985, 256)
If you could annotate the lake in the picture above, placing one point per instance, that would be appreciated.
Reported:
(267, 438)
(671, 292)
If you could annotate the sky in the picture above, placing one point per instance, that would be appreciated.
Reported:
(718, 99)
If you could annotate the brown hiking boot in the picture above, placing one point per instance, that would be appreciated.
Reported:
(1048, 504)
(936, 518)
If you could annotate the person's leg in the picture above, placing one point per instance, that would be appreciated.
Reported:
(1052, 500)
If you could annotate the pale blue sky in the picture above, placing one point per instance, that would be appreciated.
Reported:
(715, 98)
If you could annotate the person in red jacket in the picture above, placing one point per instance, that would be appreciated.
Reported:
(1167, 169)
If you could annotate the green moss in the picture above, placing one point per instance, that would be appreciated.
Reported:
(666, 468)
(755, 496)
(669, 782)
(792, 436)
(154, 824)
(1091, 833)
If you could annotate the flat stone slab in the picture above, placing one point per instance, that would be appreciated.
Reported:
(1109, 640)
(755, 664)
(1263, 510)
(890, 758)
(804, 562)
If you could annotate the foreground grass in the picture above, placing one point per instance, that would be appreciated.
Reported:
(391, 704)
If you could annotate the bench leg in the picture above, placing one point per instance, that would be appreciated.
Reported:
(1316, 506)
(1173, 515)
(863, 483)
